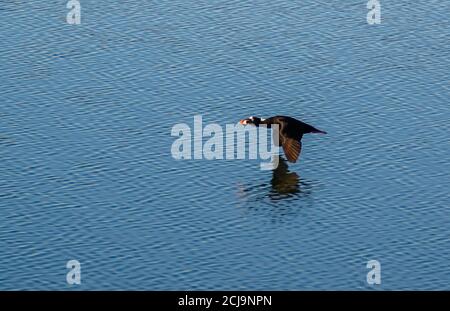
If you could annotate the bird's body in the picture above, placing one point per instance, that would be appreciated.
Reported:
(290, 133)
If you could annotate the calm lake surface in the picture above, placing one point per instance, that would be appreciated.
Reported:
(86, 171)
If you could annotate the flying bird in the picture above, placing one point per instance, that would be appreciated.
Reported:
(290, 133)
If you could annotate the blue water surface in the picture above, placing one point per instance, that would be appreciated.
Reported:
(86, 170)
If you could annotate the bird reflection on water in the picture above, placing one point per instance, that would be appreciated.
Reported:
(284, 185)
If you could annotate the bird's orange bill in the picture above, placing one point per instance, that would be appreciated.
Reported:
(292, 149)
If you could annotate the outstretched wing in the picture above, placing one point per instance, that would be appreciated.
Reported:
(292, 149)
(289, 136)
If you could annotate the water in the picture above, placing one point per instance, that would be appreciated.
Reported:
(87, 174)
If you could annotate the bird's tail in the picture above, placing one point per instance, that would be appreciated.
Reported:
(318, 131)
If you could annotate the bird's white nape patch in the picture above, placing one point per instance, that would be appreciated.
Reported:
(253, 118)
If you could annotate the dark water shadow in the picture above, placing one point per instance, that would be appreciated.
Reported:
(284, 196)
(286, 184)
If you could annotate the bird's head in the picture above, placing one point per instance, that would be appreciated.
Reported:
(251, 121)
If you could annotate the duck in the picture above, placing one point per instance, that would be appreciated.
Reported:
(291, 132)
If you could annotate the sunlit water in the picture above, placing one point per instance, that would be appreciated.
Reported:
(86, 171)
